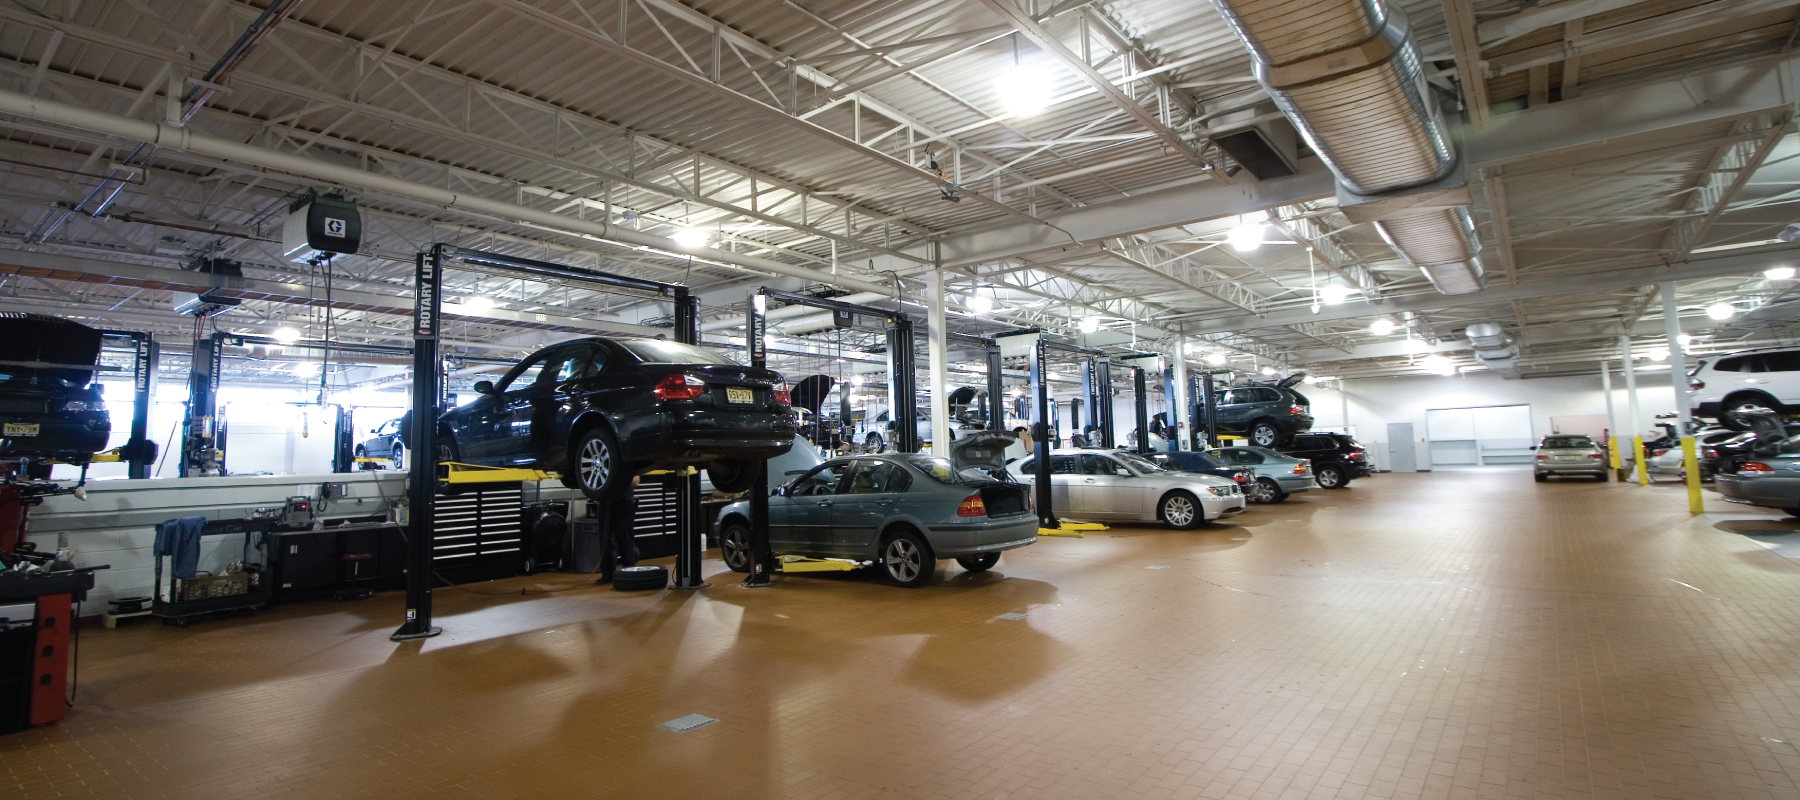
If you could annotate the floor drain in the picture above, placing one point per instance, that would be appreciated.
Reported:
(1157, 566)
(1012, 615)
(687, 723)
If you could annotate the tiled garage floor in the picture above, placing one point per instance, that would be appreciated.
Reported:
(1450, 635)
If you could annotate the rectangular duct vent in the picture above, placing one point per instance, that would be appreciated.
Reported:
(1268, 150)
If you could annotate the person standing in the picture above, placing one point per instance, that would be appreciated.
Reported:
(618, 533)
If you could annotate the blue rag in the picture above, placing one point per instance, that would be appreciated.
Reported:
(181, 538)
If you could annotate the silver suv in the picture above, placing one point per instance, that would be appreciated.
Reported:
(1746, 381)
(1568, 455)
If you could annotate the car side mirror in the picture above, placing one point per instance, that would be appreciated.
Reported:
(779, 491)
(484, 387)
(1122, 472)
(1534, 447)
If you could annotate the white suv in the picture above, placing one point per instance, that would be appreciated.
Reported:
(1750, 379)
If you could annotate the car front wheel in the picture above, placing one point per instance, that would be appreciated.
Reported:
(599, 466)
(1264, 434)
(872, 443)
(980, 563)
(906, 559)
(734, 546)
(1181, 511)
(1266, 490)
(1330, 477)
(399, 457)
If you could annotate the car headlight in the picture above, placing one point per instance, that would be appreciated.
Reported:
(1222, 491)
(84, 405)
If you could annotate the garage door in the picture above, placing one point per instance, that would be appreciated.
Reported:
(1482, 435)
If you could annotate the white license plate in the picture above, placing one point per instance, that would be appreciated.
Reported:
(21, 429)
(739, 396)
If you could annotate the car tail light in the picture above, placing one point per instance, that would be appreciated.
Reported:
(1655, 453)
(1543, 458)
(679, 386)
(972, 507)
(782, 397)
(1241, 478)
(1300, 468)
(1595, 456)
(1755, 466)
(1696, 384)
(1711, 453)
(1357, 456)
(1296, 410)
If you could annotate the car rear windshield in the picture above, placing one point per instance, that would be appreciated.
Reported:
(1139, 463)
(1568, 441)
(658, 351)
(939, 469)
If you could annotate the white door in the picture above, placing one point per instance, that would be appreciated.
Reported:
(1402, 457)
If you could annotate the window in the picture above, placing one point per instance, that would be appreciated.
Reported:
(1782, 361)
(1098, 465)
(1265, 395)
(526, 373)
(877, 477)
(1561, 442)
(662, 351)
(1749, 363)
(1027, 467)
(822, 480)
(1139, 463)
(1062, 465)
(1238, 455)
(583, 362)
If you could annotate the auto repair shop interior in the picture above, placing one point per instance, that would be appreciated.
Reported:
(900, 398)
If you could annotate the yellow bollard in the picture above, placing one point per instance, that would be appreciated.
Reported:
(1690, 466)
(1612, 453)
(1637, 454)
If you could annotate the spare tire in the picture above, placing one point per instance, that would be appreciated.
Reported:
(638, 579)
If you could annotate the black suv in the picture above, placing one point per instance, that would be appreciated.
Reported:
(49, 407)
(1336, 458)
(1268, 413)
(602, 410)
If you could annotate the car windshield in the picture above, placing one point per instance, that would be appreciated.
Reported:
(659, 351)
(939, 469)
(1139, 463)
(1561, 442)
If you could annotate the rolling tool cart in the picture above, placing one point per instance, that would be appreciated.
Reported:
(178, 602)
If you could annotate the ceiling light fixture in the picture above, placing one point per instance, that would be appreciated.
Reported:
(1721, 311)
(1215, 359)
(1779, 273)
(1247, 236)
(1268, 370)
(1333, 294)
(1439, 365)
(1659, 354)
(286, 335)
(1684, 340)
(1026, 88)
(1090, 324)
(691, 238)
(478, 303)
(1382, 326)
(979, 303)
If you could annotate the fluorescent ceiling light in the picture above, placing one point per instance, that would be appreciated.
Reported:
(1659, 354)
(1721, 311)
(1215, 359)
(1439, 365)
(1025, 89)
(691, 238)
(1382, 327)
(1334, 294)
(1268, 370)
(1779, 273)
(1247, 236)
(478, 303)
(979, 303)
(1090, 324)
(1684, 340)
(286, 335)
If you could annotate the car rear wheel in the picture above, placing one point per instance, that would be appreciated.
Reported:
(362, 453)
(734, 546)
(1179, 510)
(398, 459)
(1330, 477)
(447, 452)
(1540, 477)
(872, 443)
(599, 466)
(980, 563)
(906, 559)
(1728, 416)
(1266, 490)
(732, 475)
(1264, 434)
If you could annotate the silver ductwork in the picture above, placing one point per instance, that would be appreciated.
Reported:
(1494, 349)
(1346, 74)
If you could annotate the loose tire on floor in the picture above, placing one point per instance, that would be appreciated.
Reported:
(1330, 477)
(598, 465)
(906, 559)
(980, 563)
(640, 578)
(734, 546)
(1181, 510)
(732, 475)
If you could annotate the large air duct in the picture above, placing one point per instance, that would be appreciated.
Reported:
(1346, 74)
(1493, 348)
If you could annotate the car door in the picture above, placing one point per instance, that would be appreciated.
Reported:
(1233, 409)
(484, 436)
(1106, 489)
(530, 409)
(1063, 473)
(801, 515)
(1242, 457)
(868, 496)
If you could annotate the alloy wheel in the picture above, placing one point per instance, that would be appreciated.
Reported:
(1264, 436)
(399, 457)
(903, 560)
(1178, 511)
(596, 463)
(1329, 478)
(734, 549)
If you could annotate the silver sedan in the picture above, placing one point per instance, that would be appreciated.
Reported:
(1121, 486)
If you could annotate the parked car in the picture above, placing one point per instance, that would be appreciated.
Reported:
(1772, 481)
(1267, 413)
(1707, 450)
(50, 405)
(1277, 475)
(1205, 464)
(601, 410)
(902, 511)
(1568, 455)
(385, 443)
(1745, 381)
(1118, 485)
(1336, 458)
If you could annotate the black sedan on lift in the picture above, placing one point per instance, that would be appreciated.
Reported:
(600, 410)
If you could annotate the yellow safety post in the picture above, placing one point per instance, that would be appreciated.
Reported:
(1612, 453)
(1690, 466)
(1637, 452)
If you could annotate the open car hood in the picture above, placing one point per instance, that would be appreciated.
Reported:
(985, 450)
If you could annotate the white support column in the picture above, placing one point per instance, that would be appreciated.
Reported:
(1690, 462)
(1612, 418)
(1180, 422)
(940, 365)
(1632, 418)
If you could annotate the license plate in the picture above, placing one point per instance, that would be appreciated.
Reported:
(21, 429)
(739, 396)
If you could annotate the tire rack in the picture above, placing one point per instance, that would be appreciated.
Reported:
(139, 457)
(903, 401)
(427, 400)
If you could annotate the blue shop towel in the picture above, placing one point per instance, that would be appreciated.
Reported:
(181, 538)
